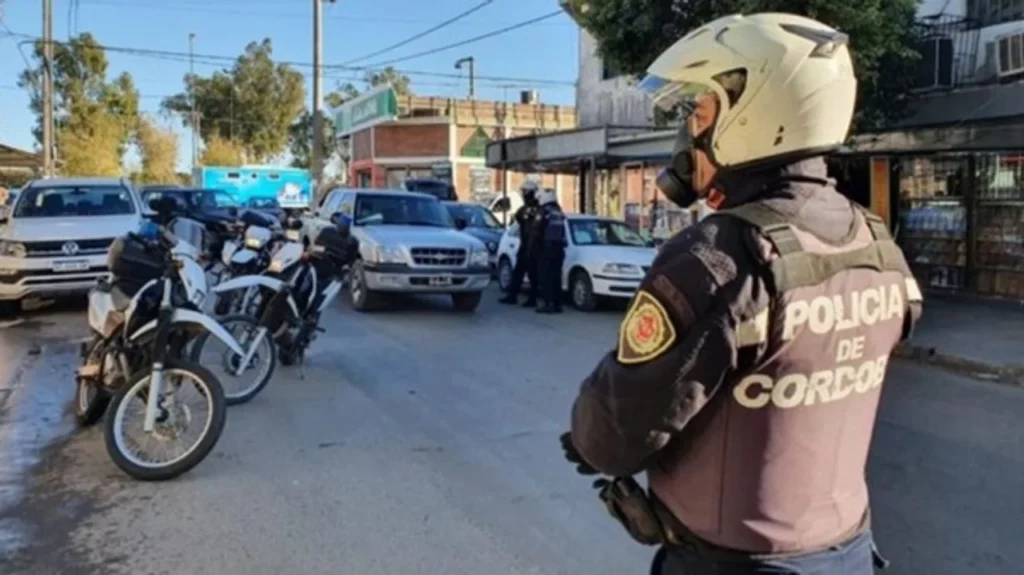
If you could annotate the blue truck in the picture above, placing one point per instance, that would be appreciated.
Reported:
(291, 187)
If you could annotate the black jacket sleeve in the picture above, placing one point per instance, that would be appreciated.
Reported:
(681, 339)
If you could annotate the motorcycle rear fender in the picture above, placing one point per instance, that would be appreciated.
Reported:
(186, 316)
(246, 282)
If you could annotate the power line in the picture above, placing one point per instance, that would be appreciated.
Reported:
(415, 37)
(486, 36)
(218, 60)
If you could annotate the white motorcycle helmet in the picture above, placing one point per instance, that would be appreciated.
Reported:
(547, 196)
(785, 90)
(528, 189)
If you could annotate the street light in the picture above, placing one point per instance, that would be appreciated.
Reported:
(472, 75)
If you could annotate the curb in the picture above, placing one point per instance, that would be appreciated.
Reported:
(1005, 374)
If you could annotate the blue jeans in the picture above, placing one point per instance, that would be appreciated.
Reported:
(856, 557)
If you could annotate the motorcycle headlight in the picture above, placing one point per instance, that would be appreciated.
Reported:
(12, 249)
(254, 243)
(389, 255)
(621, 269)
(480, 258)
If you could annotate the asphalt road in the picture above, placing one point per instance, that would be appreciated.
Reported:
(424, 442)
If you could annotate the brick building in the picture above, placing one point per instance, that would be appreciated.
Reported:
(396, 137)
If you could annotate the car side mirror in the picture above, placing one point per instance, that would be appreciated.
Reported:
(461, 223)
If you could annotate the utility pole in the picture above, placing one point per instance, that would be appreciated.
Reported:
(192, 96)
(472, 74)
(48, 168)
(316, 154)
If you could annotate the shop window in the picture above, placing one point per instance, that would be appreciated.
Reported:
(999, 225)
(933, 220)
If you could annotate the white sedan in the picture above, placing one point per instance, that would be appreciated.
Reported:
(604, 258)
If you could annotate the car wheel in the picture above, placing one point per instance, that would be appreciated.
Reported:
(505, 274)
(467, 302)
(582, 290)
(362, 298)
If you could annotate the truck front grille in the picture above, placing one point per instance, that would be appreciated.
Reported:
(438, 257)
(55, 249)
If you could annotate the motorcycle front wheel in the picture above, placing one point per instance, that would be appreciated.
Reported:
(174, 419)
(242, 388)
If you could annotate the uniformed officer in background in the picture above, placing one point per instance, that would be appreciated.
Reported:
(552, 251)
(750, 363)
(528, 217)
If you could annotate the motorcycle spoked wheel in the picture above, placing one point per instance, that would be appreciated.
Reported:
(91, 398)
(267, 348)
(137, 389)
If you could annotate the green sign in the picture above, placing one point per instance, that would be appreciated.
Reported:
(476, 145)
(374, 107)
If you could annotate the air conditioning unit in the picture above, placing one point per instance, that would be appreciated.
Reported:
(1010, 54)
(936, 67)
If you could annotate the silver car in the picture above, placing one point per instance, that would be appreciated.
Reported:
(408, 243)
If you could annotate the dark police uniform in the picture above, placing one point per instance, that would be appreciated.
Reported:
(747, 378)
(552, 256)
(528, 217)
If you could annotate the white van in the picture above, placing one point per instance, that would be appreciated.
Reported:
(504, 207)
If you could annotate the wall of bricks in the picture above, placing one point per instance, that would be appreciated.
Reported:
(400, 140)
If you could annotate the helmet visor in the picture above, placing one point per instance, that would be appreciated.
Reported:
(681, 97)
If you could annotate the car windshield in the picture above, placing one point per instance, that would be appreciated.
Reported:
(475, 216)
(212, 200)
(395, 209)
(263, 203)
(72, 201)
(604, 233)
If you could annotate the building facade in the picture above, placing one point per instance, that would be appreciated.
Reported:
(953, 170)
(397, 137)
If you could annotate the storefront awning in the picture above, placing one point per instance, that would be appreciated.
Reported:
(562, 152)
(14, 158)
(1008, 136)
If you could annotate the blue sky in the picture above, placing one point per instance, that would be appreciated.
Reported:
(352, 28)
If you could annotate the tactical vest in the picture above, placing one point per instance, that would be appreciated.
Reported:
(778, 464)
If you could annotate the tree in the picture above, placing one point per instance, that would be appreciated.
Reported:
(631, 34)
(254, 103)
(218, 151)
(81, 87)
(159, 151)
(90, 142)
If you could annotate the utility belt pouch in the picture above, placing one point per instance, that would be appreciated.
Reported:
(629, 505)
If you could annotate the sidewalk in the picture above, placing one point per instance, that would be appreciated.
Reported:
(985, 338)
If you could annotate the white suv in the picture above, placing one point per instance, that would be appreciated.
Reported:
(54, 236)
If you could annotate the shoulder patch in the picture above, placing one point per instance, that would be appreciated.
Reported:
(647, 331)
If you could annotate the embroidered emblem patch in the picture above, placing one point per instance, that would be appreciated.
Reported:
(647, 331)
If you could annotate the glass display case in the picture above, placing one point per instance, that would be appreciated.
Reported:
(933, 226)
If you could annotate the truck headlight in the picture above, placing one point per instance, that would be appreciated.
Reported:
(12, 249)
(480, 258)
(389, 255)
(621, 269)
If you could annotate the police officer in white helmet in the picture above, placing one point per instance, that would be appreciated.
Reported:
(528, 218)
(749, 366)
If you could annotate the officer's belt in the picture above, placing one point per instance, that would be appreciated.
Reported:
(796, 267)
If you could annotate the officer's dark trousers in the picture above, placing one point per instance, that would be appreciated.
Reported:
(853, 558)
(551, 275)
(525, 266)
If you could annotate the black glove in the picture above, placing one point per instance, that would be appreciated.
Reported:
(573, 456)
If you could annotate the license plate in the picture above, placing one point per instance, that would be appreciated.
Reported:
(71, 266)
(292, 235)
(440, 281)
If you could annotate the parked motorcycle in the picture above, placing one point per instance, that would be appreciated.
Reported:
(142, 321)
(297, 288)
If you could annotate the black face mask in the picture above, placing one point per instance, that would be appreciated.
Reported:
(676, 181)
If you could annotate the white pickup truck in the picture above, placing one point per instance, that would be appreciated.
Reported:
(407, 244)
(54, 236)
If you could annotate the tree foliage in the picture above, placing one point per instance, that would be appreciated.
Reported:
(158, 149)
(632, 33)
(254, 103)
(218, 151)
(89, 109)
